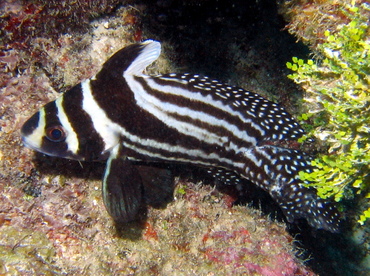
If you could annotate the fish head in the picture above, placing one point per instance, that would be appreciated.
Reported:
(54, 131)
(43, 132)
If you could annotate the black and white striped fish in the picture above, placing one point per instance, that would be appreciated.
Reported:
(124, 116)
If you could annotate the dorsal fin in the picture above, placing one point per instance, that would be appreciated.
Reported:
(131, 60)
(149, 53)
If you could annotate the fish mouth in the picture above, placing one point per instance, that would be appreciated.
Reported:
(36, 147)
(26, 142)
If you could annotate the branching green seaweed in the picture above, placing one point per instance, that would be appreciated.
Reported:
(338, 96)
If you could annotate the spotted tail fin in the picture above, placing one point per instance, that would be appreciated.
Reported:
(297, 201)
(278, 174)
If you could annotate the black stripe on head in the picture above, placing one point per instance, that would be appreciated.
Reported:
(91, 143)
(49, 147)
(31, 124)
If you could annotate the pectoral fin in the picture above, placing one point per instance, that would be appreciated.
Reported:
(122, 188)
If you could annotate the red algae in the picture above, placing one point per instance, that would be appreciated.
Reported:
(22, 20)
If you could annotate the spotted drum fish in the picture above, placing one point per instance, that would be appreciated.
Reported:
(123, 115)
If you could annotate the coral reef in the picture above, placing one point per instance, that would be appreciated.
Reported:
(321, 15)
(22, 20)
(62, 233)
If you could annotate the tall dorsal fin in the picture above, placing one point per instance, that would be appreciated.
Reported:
(131, 60)
(149, 53)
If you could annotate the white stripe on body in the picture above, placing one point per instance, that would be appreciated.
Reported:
(111, 132)
(162, 111)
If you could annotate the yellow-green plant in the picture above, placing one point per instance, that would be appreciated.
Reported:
(338, 100)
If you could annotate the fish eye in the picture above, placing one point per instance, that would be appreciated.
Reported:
(56, 133)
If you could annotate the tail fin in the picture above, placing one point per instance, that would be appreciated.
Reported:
(297, 201)
(277, 172)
